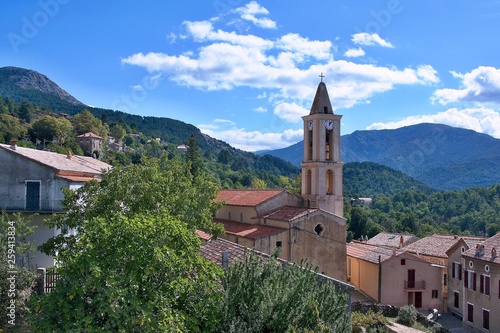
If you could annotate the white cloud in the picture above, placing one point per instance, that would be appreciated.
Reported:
(304, 47)
(482, 120)
(481, 85)
(250, 12)
(253, 140)
(290, 112)
(364, 38)
(353, 53)
(260, 109)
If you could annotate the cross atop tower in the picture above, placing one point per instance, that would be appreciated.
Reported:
(321, 76)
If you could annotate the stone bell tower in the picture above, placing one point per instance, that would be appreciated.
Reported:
(321, 166)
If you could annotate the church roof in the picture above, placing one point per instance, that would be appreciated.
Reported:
(321, 103)
(249, 230)
(289, 213)
(248, 198)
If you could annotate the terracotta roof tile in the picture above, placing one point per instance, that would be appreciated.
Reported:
(246, 230)
(246, 197)
(203, 235)
(370, 253)
(392, 240)
(437, 245)
(89, 135)
(486, 254)
(60, 162)
(289, 213)
(213, 249)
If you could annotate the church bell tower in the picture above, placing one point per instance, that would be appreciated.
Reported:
(321, 166)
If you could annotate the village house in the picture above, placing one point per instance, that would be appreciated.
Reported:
(90, 143)
(33, 182)
(311, 226)
(434, 250)
(480, 301)
(391, 240)
(394, 277)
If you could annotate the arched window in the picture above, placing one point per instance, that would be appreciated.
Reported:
(241, 216)
(229, 216)
(329, 145)
(308, 181)
(329, 182)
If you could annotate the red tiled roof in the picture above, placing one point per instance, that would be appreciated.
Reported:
(437, 245)
(246, 230)
(213, 249)
(487, 253)
(289, 213)
(370, 253)
(89, 135)
(391, 240)
(60, 162)
(248, 198)
(203, 235)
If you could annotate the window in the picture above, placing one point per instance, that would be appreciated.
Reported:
(33, 195)
(456, 299)
(445, 279)
(486, 319)
(229, 216)
(484, 284)
(403, 262)
(434, 293)
(241, 217)
(470, 280)
(279, 244)
(456, 271)
(318, 229)
(470, 312)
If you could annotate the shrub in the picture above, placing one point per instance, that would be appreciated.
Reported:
(371, 321)
(407, 315)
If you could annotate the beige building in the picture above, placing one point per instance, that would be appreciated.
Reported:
(394, 277)
(434, 250)
(308, 227)
(481, 286)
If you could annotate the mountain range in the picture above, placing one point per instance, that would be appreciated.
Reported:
(439, 156)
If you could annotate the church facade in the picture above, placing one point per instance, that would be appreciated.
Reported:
(309, 227)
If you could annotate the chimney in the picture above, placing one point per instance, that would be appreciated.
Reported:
(68, 155)
(225, 259)
(13, 145)
(493, 253)
(401, 241)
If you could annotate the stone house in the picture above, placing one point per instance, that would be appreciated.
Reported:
(90, 143)
(392, 240)
(33, 181)
(481, 286)
(394, 277)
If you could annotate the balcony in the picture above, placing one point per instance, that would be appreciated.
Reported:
(31, 206)
(414, 285)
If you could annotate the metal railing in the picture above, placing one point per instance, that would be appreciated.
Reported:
(415, 285)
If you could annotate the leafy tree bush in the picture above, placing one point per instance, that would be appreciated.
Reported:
(18, 228)
(263, 296)
(407, 315)
(371, 322)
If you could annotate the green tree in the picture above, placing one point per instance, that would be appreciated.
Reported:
(141, 273)
(118, 132)
(48, 127)
(85, 122)
(259, 184)
(193, 156)
(266, 296)
(11, 129)
(154, 186)
(25, 111)
(13, 232)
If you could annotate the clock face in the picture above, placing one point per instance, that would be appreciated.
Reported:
(329, 124)
(310, 125)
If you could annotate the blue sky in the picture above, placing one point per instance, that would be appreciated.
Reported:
(245, 72)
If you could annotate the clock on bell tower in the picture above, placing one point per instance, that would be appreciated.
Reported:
(321, 166)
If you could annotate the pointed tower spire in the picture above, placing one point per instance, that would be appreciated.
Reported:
(321, 103)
